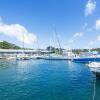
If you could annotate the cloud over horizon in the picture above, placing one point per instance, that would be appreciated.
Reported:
(78, 34)
(97, 25)
(18, 32)
(90, 7)
(75, 35)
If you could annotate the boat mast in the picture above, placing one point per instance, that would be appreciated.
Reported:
(38, 48)
(57, 38)
(23, 44)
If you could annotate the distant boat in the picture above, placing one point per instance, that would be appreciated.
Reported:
(10, 58)
(95, 68)
(37, 57)
(86, 59)
(23, 57)
(90, 56)
(56, 57)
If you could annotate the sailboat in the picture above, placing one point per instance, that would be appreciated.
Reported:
(23, 56)
(59, 56)
(38, 54)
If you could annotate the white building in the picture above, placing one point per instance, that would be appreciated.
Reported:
(4, 53)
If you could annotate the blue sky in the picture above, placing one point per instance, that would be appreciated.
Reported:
(77, 22)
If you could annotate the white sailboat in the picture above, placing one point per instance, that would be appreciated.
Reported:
(56, 56)
(38, 54)
(23, 56)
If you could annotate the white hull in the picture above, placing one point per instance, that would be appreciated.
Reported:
(8, 58)
(95, 68)
(23, 57)
(94, 65)
(56, 58)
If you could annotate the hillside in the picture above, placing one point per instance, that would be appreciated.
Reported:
(7, 45)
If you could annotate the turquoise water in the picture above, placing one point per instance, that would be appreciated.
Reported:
(46, 80)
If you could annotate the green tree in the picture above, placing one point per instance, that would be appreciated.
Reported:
(7, 45)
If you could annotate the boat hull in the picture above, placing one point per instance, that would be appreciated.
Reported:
(55, 58)
(86, 59)
(97, 74)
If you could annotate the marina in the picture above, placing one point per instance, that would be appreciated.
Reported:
(49, 50)
(33, 54)
(60, 77)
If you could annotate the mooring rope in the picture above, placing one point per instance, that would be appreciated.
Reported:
(94, 85)
(94, 89)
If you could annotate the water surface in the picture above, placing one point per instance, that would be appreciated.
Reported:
(46, 80)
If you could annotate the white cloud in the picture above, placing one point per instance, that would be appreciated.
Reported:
(76, 35)
(80, 34)
(90, 7)
(17, 31)
(92, 43)
(97, 26)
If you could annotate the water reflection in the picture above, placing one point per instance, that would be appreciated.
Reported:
(6, 63)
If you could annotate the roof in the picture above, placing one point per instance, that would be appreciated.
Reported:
(19, 50)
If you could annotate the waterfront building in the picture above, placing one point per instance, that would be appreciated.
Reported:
(5, 53)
